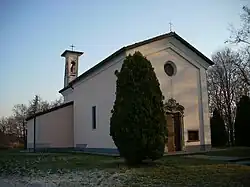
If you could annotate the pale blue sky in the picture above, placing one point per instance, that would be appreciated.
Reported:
(33, 34)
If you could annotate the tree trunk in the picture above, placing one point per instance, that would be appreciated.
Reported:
(230, 126)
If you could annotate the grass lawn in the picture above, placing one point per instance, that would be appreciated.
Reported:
(231, 152)
(168, 171)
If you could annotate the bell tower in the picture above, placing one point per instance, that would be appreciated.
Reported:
(71, 65)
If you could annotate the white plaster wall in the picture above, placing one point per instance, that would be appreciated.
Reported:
(53, 129)
(30, 133)
(186, 87)
(206, 114)
(203, 95)
(68, 95)
(98, 89)
(95, 90)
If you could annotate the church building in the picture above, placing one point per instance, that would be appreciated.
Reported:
(83, 121)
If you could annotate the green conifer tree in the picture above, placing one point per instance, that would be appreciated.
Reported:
(137, 124)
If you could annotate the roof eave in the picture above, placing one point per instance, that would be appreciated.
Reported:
(210, 62)
(50, 110)
(69, 51)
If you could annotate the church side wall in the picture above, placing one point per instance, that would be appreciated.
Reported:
(53, 129)
(30, 133)
(96, 90)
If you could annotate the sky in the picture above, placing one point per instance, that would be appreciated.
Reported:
(33, 34)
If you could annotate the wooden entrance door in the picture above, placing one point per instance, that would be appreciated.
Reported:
(177, 132)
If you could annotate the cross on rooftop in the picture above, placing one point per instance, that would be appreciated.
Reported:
(72, 47)
(170, 26)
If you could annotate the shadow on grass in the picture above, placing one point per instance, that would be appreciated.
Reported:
(169, 161)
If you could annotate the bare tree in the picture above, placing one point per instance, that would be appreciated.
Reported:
(11, 126)
(39, 105)
(57, 102)
(34, 105)
(43, 106)
(3, 124)
(224, 86)
(7, 131)
(20, 112)
(8, 125)
(241, 35)
(244, 68)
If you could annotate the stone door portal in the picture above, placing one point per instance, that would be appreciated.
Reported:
(174, 117)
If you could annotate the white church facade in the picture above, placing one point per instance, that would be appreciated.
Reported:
(82, 122)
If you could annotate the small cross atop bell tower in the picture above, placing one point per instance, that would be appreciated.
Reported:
(72, 47)
(170, 26)
(71, 64)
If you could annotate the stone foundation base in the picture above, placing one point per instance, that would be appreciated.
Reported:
(102, 151)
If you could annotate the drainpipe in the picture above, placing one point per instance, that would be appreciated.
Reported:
(34, 146)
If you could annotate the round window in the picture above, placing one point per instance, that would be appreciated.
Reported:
(170, 68)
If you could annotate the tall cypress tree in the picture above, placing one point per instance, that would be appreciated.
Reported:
(138, 125)
(218, 132)
(242, 122)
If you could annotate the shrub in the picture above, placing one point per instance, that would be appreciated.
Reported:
(218, 132)
(242, 122)
(137, 124)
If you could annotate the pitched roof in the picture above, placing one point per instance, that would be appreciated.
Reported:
(69, 51)
(132, 46)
